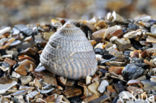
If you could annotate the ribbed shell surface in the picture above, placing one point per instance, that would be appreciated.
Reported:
(68, 53)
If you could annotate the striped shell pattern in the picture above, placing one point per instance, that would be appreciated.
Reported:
(68, 53)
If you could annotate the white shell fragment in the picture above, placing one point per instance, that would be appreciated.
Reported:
(5, 87)
(103, 86)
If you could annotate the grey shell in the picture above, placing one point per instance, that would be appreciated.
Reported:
(68, 53)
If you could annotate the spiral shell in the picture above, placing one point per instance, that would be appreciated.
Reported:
(68, 53)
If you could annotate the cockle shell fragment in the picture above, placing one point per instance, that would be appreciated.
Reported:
(68, 53)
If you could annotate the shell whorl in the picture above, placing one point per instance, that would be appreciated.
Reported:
(68, 53)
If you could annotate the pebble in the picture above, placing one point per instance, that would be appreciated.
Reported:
(15, 43)
(15, 75)
(88, 79)
(119, 87)
(134, 82)
(153, 29)
(93, 88)
(122, 44)
(153, 79)
(20, 92)
(102, 86)
(5, 30)
(125, 95)
(106, 33)
(148, 85)
(7, 86)
(10, 61)
(32, 94)
(23, 29)
(132, 26)
(62, 80)
(46, 90)
(99, 45)
(98, 57)
(102, 99)
(132, 71)
(49, 78)
(133, 34)
(99, 51)
(25, 79)
(72, 92)
(24, 67)
(115, 69)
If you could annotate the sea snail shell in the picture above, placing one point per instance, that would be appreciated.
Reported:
(68, 53)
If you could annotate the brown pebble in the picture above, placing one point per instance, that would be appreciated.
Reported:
(23, 57)
(93, 42)
(51, 98)
(106, 33)
(10, 61)
(49, 78)
(72, 92)
(115, 69)
(25, 66)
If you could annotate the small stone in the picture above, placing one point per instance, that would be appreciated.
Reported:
(19, 98)
(135, 90)
(93, 88)
(110, 89)
(153, 79)
(25, 66)
(88, 79)
(148, 85)
(70, 83)
(126, 95)
(20, 92)
(103, 85)
(86, 92)
(23, 57)
(46, 89)
(15, 75)
(153, 29)
(46, 35)
(122, 43)
(106, 33)
(133, 34)
(93, 42)
(151, 39)
(90, 98)
(4, 66)
(132, 71)
(98, 51)
(6, 86)
(49, 78)
(132, 26)
(119, 87)
(115, 69)
(29, 51)
(98, 57)
(61, 99)
(15, 43)
(72, 92)
(101, 99)
(99, 45)
(62, 80)
(51, 98)
(135, 82)
(5, 30)
(10, 61)
(32, 94)
(26, 79)
(23, 29)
